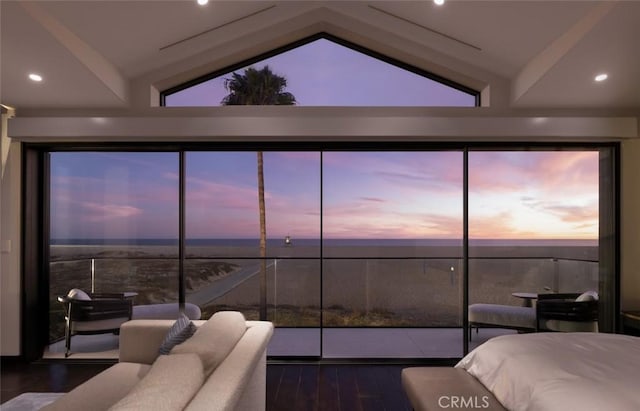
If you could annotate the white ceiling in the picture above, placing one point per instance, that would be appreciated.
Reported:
(92, 53)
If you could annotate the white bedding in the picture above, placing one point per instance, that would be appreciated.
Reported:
(560, 371)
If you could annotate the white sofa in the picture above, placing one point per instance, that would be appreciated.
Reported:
(221, 367)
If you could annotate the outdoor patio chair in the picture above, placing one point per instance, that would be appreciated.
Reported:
(568, 312)
(518, 318)
(87, 313)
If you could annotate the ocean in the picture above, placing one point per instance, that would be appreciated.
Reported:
(333, 242)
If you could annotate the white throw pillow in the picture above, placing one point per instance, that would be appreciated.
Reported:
(169, 385)
(78, 294)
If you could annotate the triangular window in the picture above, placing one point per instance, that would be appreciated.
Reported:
(326, 71)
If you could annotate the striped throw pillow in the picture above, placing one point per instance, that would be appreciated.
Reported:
(180, 332)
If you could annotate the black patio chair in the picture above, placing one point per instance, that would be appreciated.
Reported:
(99, 314)
(562, 312)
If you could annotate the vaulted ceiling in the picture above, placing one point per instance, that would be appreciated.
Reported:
(102, 54)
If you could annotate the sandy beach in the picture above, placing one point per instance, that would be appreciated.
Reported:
(359, 285)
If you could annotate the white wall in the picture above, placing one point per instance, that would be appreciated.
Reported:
(630, 225)
(9, 244)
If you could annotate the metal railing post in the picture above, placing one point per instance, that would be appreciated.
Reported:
(93, 275)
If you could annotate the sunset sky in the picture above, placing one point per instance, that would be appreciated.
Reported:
(404, 195)
(323, 73)
(541, 195)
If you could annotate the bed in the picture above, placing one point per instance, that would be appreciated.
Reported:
(539, 372)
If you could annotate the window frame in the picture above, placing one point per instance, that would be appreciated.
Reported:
(35, 215)
(302, 42)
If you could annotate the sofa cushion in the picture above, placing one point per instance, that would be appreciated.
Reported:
(169, 385)
(215, 339)
(103, 390)
(239, 383)
(179, 332)
(503, 315)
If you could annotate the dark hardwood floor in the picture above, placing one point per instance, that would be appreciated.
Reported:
(16, 378)
(335, 387)
(289, 386)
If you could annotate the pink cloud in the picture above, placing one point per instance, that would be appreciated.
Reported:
(353, 209)
(130, 191)
(438, 172)
(103, 212)
(574, 173)
(499, 225)
(157, 195)
(444, 226)
(560, 185)
(373, 199)
(218, 209)
(574, 214)
(171, 176)
(429, 226)
(545, 171)
(203, 193)
(363, 218)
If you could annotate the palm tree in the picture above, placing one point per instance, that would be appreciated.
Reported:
(258, 87)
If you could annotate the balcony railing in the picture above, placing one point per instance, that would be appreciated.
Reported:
(332, 292)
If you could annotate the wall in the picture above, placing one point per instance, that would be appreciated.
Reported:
(463, 125)
(630, 225)
(9, 244)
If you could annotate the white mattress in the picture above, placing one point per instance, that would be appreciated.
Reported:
(560, 371)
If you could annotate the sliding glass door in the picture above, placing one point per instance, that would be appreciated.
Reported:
(227, 269)
(535, 227)
(392, 254)
(350, 253)
(113, 229)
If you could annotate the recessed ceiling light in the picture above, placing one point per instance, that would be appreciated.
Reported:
(203, 2)
(35, 77)
(439, 2)
(601, 77)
